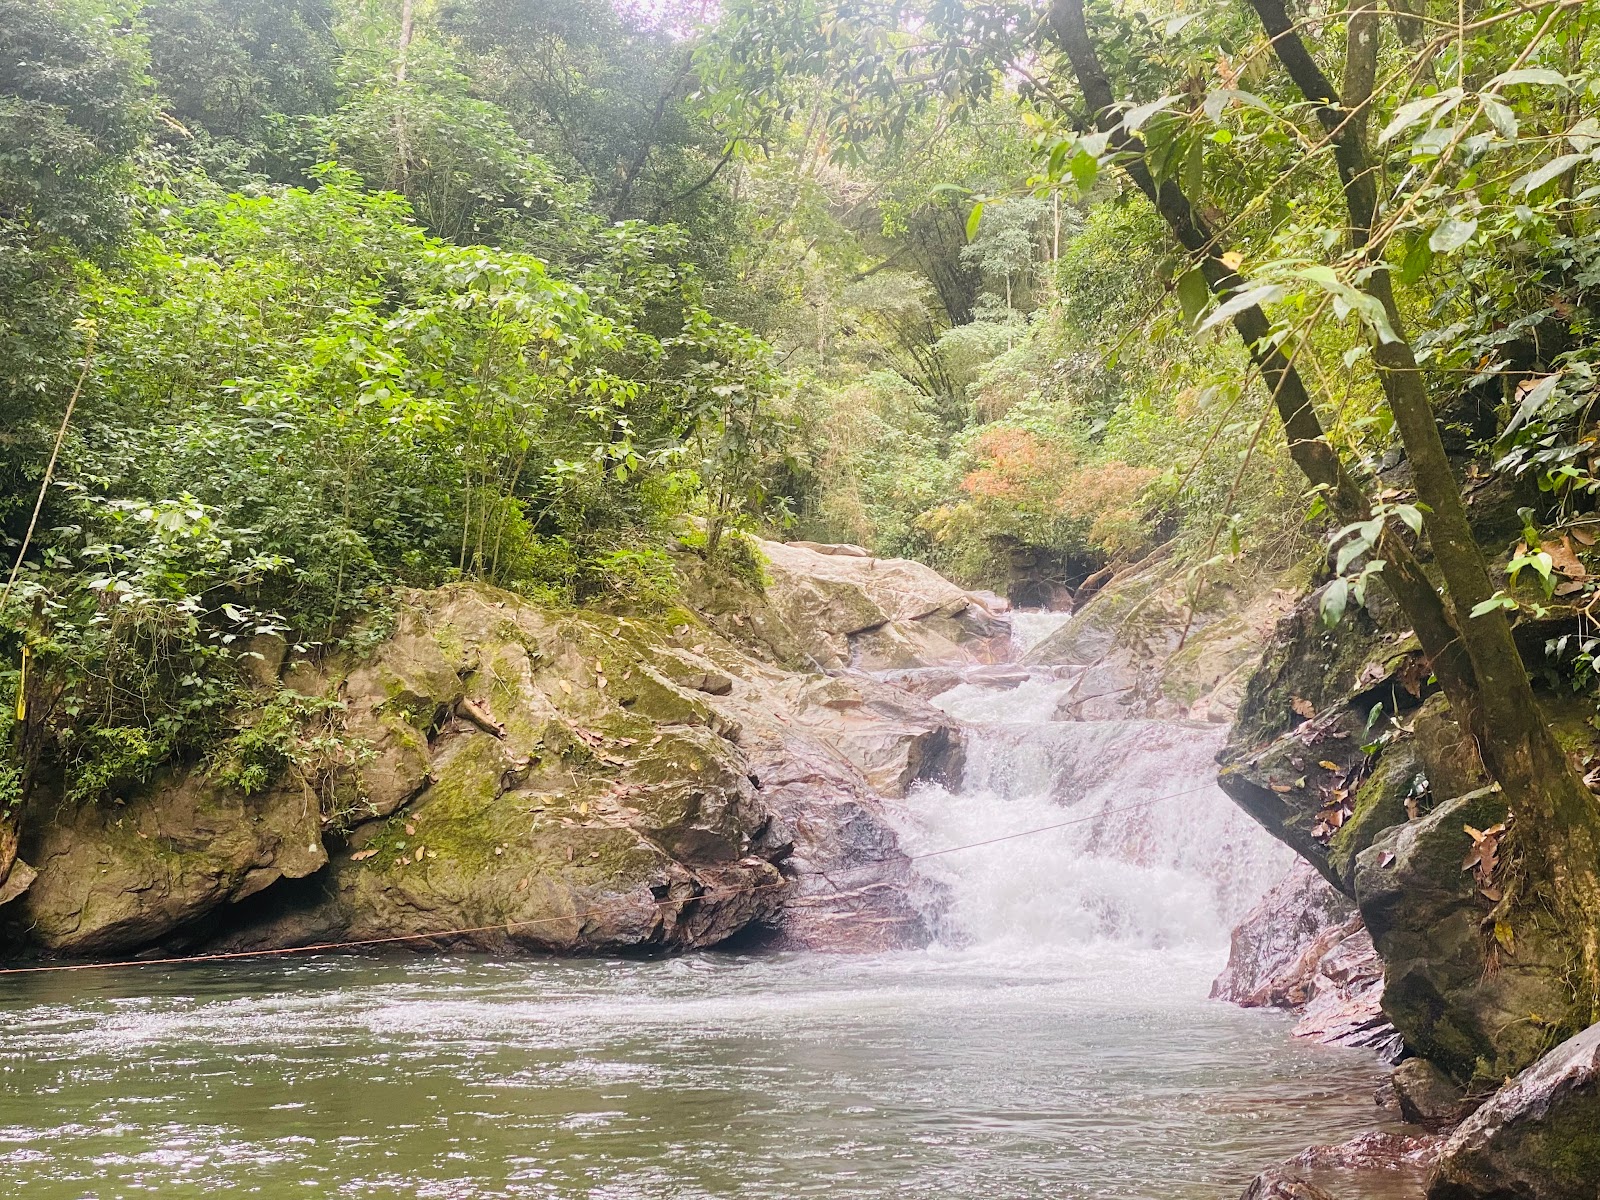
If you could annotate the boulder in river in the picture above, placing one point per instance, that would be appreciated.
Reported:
(1427, 1096)
(1537, 1138)
(562, 781)
(120, 875)
(1458, 996)
(1283, 1183)
(1303, 948)
(1155, 642)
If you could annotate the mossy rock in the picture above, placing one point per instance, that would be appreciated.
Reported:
(1477, 1010)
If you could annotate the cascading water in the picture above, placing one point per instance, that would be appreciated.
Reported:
(1157, 856)
(1056, 1041)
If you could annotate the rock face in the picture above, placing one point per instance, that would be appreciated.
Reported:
(1427, 1096)
(1283, 1183)
(850, 610)
(565, 782)
(116, 876)
(1303, 948)
(1161, 646)
(1461, 1000)
(1341, 753)
(1538, 1138)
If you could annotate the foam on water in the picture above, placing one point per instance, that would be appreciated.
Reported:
(1029, 627)
(1156, 855)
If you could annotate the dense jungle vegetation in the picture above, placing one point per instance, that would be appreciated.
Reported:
(303, 301)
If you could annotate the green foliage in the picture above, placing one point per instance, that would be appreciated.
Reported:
(284, 731)
(432, 360)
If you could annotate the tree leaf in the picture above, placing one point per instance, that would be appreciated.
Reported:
(1500, 116)
(1265, 293)
(1348, 554)
(1219, 99)
(1134, 118)
(1193, 294)
(1541, 76)
(1452, 234)
(973, 218)
(1334, 599)
(1410, 114)
(1419, 257)
(1532, 401)
(1534, 180)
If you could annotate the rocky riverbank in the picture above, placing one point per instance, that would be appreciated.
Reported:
(560, 781)
(1343, 750)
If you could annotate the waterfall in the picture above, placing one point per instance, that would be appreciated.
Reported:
(1178, 871)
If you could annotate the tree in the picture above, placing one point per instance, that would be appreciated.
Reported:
(1168, 131)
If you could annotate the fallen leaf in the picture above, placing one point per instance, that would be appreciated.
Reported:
(1564, 560)
(564, 686)
(1503, 935)
(1583, 537)
(1303, 707)
(1281, 787)
(1385, 858)
(1327, 766)
(411, 828)
(420, 852)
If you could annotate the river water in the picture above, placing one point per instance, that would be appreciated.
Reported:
(1056, 1041)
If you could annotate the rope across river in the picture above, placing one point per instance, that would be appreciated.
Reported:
(509, 926)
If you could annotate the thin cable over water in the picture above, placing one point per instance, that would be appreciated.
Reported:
(509, 926)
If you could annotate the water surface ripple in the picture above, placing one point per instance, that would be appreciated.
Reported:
(922, 1074)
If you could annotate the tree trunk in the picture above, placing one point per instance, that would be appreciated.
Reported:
(1559, 828)
(1309, 446)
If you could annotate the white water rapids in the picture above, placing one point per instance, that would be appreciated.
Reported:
(1159, 858)
(1056, 1042)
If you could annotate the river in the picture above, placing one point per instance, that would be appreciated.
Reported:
(1055, 1041)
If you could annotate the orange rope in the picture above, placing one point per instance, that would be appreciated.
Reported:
(508, 926)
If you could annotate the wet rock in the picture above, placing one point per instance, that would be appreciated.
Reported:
(1283, 1183)
(1376, 1151)
(1274, 951)
(1290, 784)
(874, 613)
(1001, 677)
(842, 548)
(818, 610)
(117, 876)
(1346, 1005)
(620, 786)
(1427, 1096)
(1303, 948)
(572, 782)
(1162, 649)
(1453, 993)
(893, 738)
(1538, 1138)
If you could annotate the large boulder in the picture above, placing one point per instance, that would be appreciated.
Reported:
(1303, 948)
(1274, 950)
(583, 783)
(1538, 1138)
(1427, 1096)
(1475, 999)
(1283, 1183)
(576, 791)
(875, 613)
(1155, 642)
(118, 876)
(564, 781)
